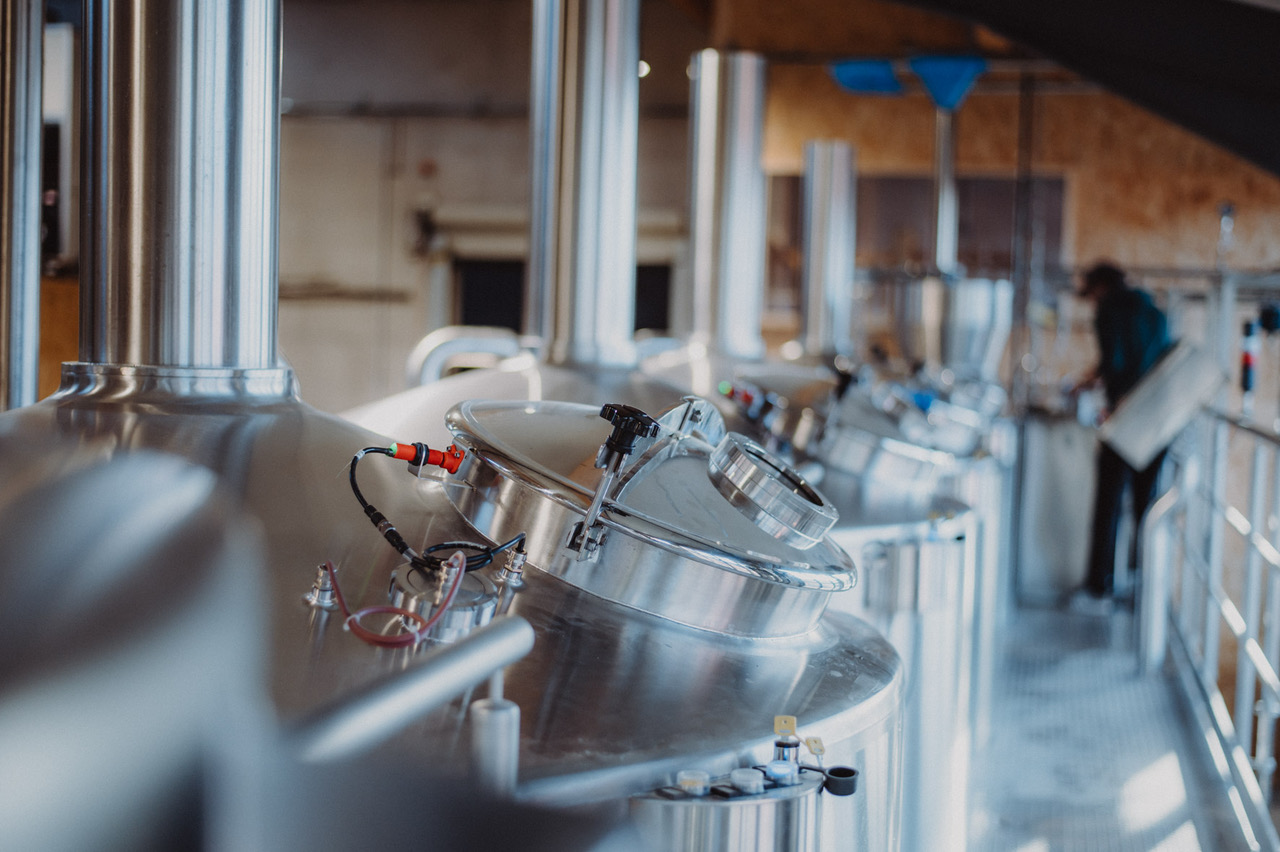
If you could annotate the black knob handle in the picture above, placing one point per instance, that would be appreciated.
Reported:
(629, 423)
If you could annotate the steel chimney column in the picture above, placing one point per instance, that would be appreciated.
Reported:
(584, 130)
(21, 124)
(181, 138)
(727, 217)
(830, 235)
(945, 195)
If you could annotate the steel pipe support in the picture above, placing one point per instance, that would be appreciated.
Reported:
(181, 130)
(21, 49)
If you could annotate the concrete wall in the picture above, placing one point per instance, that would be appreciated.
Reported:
(400, 107)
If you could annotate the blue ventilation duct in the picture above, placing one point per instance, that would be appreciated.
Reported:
(948, 79)
(867, 76)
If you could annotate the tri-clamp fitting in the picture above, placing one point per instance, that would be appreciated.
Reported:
(629, 425)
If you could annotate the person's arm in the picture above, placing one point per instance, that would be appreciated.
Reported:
(1088, 380)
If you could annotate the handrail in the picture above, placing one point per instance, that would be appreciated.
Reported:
(1245, 424)
(1212, 595)
(1153, 607)
(1235, 622)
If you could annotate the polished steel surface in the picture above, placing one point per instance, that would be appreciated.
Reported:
(473, 605)
(959, 324)
(946, 199)
(21, 49)
(773, 496)
(430, 357)
(585, 120)
(599, 691)
(918, 565)
(829, 238)
(725, 305)
(530, 467)
(919, 594)
(421, 411)
(139, 384)
(782, 819)
(131, 619)
(870, 444)
(799, 400)
(381, 710)
(1056, 495)
(867, 441)
(979, 320)
(791, 401)
(181, 121)
(986, 483)
(179, 355)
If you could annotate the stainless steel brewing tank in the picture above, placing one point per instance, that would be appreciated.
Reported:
(783, 404)
(918, 564)
(116, 577)
(893, 449)
(960, 324)
(614, 701)
(729, 580)
(713, 531)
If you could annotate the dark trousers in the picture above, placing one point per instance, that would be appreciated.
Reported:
(1114, 476)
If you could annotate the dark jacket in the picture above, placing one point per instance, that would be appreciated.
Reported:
(1132, 334)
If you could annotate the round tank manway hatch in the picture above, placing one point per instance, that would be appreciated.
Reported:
(720, 536)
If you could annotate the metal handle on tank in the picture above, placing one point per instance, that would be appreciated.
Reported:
(387, 706)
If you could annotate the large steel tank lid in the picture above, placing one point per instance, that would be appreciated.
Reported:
(869, 441)
(701, 526)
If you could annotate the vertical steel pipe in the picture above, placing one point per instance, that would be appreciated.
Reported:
(727, 208)
(584, 128)
(1268, 709)
(21, 42)
(181, 133)
(1251, 605)
(1193, 539)
(1225, 333)
(1213, 559)
(830, 237)
(1153, 607)
(946, 199)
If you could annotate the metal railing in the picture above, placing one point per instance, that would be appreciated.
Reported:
(1211, 585)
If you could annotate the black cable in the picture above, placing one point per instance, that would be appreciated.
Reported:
(484, 555)
(427, 560)
(379, 520)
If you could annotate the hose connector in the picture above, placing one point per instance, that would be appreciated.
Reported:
(419, 454)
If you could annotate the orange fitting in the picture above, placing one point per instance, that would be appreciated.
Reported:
(450, 459)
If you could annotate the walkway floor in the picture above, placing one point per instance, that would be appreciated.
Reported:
(1084, 755)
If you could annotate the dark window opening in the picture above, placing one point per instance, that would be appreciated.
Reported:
(50, 200)
(490, 292)
(653, 297)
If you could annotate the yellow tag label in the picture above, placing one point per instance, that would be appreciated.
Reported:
(784, 726)
(814, 744)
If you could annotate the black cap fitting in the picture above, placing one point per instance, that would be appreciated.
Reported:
(629, 423)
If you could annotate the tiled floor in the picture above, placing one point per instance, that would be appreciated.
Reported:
(1087, 756)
